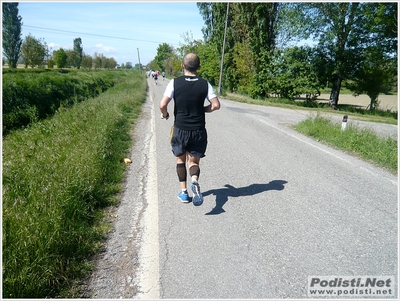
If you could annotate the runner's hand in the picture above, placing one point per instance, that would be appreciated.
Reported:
(166, 117)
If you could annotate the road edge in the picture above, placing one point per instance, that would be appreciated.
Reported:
(149, 252)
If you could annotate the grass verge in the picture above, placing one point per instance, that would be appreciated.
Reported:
(361, 142)
(57, 176)
(314, 106)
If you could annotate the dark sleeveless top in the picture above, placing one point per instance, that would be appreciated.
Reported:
(190, 93)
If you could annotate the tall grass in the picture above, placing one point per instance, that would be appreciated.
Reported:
(30, 96)
(362, 142)
(57, 176)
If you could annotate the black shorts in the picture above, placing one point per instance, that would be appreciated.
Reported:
(192, 141)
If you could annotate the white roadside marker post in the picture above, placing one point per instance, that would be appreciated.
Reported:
(344, 122)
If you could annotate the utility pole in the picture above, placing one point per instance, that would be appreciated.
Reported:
(223, 50)
(140, 65)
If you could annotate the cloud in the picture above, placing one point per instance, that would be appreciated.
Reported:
(104, 48)
(54, 45)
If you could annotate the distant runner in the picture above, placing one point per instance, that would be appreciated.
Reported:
(155, 78)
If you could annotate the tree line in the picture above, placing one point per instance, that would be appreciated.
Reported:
(33, 52)
(354, 46)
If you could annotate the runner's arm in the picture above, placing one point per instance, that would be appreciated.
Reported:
(163, 106)
(167, 97)
(213, 99)
(213, 106)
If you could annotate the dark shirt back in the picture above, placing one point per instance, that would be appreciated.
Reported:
(190, 93)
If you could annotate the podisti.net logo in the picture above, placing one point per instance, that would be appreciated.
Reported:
(351, 286)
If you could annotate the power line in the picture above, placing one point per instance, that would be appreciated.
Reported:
(90, 34)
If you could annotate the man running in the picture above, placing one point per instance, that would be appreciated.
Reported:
(155, 77)
(188, 134)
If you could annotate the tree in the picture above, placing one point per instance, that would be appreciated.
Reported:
(99, 60)
(33, 51)
(104, 61)
(344, 30)
(87, 61)
(70, 58)
(164, 51)
(106, 64)
(60, 57)
(335, 26)
(78, 50)
(112, 63)
(259, 35)
(189, 44)
(248, 23)
(128, 65)
(50, 63)
(376, 71)
(153, 65)
(241, 72)
(382, 25)
(260, 19)
(293, 73)
(292, 25)
(172, 65)
(214, 14)
(12, 41)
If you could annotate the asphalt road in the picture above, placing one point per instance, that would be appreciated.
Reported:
(278, 207)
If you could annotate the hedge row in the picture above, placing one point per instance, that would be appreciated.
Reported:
(32, 96)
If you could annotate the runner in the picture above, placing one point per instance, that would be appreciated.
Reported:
(155, 77)
(188, 134)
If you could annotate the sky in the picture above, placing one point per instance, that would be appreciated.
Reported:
(125, 31)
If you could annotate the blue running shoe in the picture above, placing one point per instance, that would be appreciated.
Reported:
(197, 196)
(184, 197)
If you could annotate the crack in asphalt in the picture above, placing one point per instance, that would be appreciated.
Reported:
(166, 250)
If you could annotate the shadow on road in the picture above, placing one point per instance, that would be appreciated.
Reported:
(222, 194)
